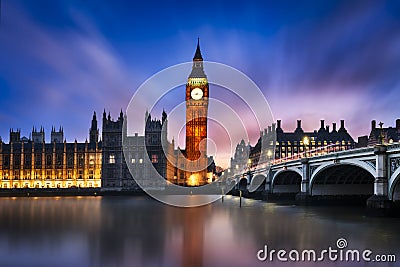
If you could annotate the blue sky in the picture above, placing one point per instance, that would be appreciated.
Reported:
(332, 60)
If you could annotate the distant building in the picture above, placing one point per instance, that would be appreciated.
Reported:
(389, 134)
(32, 163)
(291, 144)
(274, 143)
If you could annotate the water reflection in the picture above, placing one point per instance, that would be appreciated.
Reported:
(138, 231)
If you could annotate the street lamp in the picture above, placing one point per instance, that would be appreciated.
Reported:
(306, 143)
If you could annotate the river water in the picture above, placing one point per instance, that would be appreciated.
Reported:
(139, 231)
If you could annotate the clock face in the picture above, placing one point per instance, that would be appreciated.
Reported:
(196, 93)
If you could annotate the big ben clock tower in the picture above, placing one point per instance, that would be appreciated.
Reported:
(196, 122)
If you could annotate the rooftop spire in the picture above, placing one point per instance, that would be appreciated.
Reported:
(197, 55)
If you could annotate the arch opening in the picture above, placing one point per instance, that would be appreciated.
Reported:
(257, 183)
(242, 184)
(343, 179)
(286, 182)
(396, 191)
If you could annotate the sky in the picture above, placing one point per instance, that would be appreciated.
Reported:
(62, 60)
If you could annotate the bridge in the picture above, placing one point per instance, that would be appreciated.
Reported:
(372, 172)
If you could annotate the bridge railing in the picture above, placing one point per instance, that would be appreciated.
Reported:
(310, 153)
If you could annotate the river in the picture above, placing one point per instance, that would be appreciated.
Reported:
(139, 231)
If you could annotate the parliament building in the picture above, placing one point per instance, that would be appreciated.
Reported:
(33, 163)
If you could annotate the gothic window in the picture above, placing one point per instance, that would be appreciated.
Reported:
(70, 160)
(111, 159)
(80, 160)
(59, 159)
(17, 161)
(6, 160)
(48, 160)
(28, 160)
(38, 160)
(91, 160)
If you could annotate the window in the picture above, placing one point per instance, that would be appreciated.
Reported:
(28, 160)
(81, 160)
(154, 158)
(6, 160)
(59, 160)
(133, 160)
(140, 161)
(17, 162)
(111, 159)
(91, 159)
(48, 160)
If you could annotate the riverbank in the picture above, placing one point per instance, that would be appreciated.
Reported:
(55, 192)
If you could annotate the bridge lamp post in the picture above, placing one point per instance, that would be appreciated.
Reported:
(248, 169)
(306, 143)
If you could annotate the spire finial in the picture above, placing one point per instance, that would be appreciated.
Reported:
(197, 55)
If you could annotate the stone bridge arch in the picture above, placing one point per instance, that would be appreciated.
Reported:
(258, 182)
(394, 186)
(287, 180)
(347, 177)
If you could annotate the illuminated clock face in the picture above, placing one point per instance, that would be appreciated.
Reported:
(196, 93)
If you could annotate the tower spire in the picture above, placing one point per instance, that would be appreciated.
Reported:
(197, 55)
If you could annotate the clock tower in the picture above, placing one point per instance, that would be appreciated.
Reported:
(196, 122)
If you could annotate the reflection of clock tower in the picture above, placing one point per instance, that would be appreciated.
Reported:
(196, 121)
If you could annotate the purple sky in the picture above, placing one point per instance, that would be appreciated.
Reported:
(332, 60)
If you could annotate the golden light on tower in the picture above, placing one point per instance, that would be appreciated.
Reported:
(196, 122)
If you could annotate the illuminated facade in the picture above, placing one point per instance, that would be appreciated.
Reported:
(32, 163)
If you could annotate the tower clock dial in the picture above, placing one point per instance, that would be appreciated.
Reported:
(196, 93)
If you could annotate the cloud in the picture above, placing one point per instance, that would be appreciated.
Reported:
(70, 73)
(338, 66)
